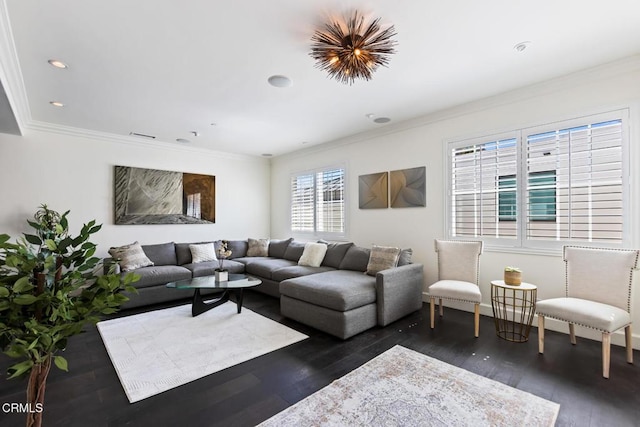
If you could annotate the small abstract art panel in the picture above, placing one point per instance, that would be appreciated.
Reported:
(373, 191)
(408, 187)
(150, 196)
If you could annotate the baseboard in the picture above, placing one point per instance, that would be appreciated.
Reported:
(617, 338)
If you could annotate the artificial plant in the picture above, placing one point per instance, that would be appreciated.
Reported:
(49, 290)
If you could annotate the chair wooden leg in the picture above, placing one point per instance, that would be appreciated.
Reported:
(572, 333)
(476, 320)
(606, 353)
(540, 334)
(432, 302)
(627, 341)
(440, 307)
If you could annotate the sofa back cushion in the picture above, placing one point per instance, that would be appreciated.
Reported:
(355, 259)
(162, 254)
(294, 251)
(238, 248)
(335, 253)
(277, 248)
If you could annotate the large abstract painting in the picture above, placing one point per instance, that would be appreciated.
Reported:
(150, 196)
(374, 191)
(408, 187)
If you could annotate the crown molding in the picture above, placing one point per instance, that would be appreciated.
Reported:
(133, 141)
(10, 72)
(578, 78)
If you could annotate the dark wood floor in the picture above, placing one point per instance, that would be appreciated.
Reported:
(246, 394)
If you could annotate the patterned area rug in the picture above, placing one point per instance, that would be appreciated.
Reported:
(404, 388)
(159, 350)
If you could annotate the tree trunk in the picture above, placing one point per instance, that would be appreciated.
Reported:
(35, 391)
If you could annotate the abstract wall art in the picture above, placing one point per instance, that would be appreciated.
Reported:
(408, 187)
(151, 196)
(373, 191)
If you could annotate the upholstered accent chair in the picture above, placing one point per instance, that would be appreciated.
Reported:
(458, 268)
(598, 296)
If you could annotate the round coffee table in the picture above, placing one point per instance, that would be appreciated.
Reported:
(236, 284)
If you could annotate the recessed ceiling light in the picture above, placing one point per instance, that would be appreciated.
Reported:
(58, 64)
(267, 155)
(381, 120)
(56, 103)
(520, 47)
(183, 141)
(369, 115)
(280, 81)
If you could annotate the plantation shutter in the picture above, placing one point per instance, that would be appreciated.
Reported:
(330, 201)
(302, 203)
(584, 200)
(483, 190)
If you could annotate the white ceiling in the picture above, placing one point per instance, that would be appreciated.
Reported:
(167, 68)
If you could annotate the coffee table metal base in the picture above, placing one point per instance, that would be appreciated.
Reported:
(199, 305)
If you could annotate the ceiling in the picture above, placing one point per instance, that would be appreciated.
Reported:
(171, 68)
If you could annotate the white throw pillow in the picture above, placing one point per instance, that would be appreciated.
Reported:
(203, 252)
(313, 254)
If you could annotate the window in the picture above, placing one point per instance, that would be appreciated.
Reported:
(543, 186)
(317, 202)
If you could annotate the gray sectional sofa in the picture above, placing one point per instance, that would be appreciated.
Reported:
(337, 297)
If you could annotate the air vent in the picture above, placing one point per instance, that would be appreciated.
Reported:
(142, 135)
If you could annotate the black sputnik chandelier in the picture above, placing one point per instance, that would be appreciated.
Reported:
(352, 50)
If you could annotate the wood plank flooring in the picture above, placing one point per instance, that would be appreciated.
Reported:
(246, 394)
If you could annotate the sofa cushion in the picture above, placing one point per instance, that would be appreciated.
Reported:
(355, 259)
(208, 268)
(162, 254)
(335, 253)
(203, 252)
(160, 275)
(382, 258)
(266, 266)
(297, 271)
(313, 254)
(238, 248)
(183, 253)
(405, 257)
(277, 248)
(130, 256)
(258, 247)
(294, 251)
(339, 290)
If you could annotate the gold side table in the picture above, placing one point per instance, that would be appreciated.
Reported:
(513, 309)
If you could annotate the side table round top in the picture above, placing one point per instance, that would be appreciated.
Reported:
(523, 286)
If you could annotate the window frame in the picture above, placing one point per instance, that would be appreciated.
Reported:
(522, 244)
(315, 233)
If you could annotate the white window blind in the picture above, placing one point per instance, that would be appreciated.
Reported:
(478, 174)
(544, 186)
(317, 202)
(588, 185)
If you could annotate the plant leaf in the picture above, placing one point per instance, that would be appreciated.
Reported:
(20, 368)
(22, 285)
(34, 240)
(61, 363)
(26, 299)
(51, 245)
(4, 292)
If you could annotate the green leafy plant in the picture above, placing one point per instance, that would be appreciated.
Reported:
(512, 270)
(49, 290)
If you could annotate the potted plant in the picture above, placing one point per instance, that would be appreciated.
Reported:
(49, 290)
(224, 252)
(512, 276)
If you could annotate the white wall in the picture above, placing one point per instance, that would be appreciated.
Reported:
(71, 172)
(421, 142)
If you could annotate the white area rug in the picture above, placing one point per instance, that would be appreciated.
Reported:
(404, 388)
(159, 350)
